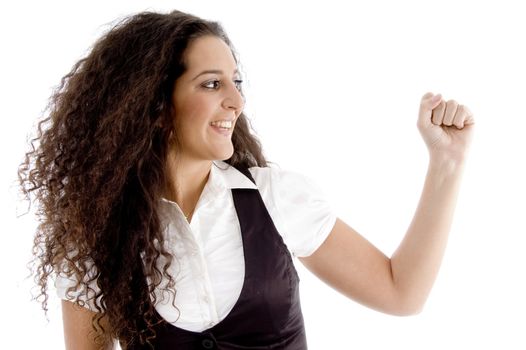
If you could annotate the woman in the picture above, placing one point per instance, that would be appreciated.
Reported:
(163, 224)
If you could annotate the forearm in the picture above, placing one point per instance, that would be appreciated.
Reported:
(416, 262)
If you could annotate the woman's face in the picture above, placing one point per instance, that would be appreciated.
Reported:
(207, 100)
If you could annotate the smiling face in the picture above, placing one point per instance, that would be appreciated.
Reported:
(207, 101)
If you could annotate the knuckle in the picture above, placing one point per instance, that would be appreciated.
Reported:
(427, 95)
(451, 103)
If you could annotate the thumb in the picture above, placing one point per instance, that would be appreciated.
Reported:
(428, 102)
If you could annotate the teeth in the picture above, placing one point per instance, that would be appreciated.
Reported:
(222, 124)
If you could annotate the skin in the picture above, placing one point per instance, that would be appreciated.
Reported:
(397, 285)
(198, 100)
(78, 332)
(401, 284)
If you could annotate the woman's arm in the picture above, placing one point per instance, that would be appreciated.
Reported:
(400, 285)
(78, 331)
(416, 262)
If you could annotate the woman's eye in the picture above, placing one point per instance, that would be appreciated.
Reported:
(212, 84)
(216, 84)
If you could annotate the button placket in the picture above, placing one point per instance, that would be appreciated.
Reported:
(198, 268)
(204, 290)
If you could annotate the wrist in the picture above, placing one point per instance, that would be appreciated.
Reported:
(445, 163)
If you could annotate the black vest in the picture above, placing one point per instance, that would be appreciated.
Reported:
(267, 314)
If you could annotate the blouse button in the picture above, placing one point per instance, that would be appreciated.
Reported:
(207, 343)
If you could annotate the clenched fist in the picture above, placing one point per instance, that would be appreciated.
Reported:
(446, 126)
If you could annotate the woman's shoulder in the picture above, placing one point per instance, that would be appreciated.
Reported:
(275, 177)
(278, 186)
(297, 205)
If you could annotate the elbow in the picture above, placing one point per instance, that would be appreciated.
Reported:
(408, 308)
(406, 305)
(409, 311)
(400, 308)
(407, 302)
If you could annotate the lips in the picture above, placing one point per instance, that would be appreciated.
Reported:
(222, 131)
(223, 124)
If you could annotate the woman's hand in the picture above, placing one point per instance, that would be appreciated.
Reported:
(446, 127)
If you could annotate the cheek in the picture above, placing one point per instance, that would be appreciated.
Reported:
(196, 112)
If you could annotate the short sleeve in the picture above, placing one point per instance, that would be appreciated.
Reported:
(298, 207)
(65, 289)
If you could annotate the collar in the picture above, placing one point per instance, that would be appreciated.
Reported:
(228, 177)
(222, 177)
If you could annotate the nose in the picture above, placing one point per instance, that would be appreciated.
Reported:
(234, 99)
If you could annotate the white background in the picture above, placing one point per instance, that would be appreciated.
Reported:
(333, 92)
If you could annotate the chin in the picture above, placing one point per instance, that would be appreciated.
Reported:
(227, 154)
(227, 157)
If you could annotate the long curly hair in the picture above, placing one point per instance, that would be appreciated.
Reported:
(97, 167)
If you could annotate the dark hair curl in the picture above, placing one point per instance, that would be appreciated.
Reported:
(97, 169)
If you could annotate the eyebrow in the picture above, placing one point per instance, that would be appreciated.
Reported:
(212, 71)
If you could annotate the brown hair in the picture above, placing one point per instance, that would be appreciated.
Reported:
(97, 168)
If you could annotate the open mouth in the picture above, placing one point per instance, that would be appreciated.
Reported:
(223, 127)
(223, 124)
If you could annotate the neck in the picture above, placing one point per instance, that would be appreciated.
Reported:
(186, 179)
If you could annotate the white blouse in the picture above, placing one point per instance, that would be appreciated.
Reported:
(208, 266)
